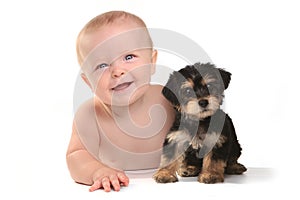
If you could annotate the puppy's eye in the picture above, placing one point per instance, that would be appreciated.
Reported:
(211, 87)
(188, 92)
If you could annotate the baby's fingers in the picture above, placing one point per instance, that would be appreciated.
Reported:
(96, 185)
(115, 183)
(106, 184)
(123, 179)
(103, 183)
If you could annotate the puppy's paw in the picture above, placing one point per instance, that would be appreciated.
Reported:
(188, 171)
(210, 178)
(165, 176)
(236, 168)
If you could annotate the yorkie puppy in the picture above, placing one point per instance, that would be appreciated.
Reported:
(202, 141)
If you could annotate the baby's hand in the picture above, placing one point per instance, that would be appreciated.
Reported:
(107, 178)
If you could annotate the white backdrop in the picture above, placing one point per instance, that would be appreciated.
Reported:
(257, 41)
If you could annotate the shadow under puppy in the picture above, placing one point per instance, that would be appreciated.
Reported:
(202, 141)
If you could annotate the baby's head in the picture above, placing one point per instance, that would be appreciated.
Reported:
(105, 23)
(116, 55)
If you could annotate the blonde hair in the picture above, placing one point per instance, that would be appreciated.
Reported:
(105, 19)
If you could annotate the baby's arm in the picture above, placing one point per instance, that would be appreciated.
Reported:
(84, 168)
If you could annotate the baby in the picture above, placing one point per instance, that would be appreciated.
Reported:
(124, 125)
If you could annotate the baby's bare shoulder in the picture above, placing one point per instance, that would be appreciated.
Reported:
(85, 109)
(156, 87)
(86, 126)
(155, 91)
(87, 112)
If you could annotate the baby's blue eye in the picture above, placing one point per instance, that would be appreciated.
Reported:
(129, 57)
(102, 65)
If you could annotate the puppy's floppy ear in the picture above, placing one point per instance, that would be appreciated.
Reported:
(172, 87)
(226, 76)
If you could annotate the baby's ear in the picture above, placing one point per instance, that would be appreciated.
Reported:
(171, 88)
(226, 76)
(153, 61)
(86, 80)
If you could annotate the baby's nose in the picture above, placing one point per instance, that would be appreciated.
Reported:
(117, 72)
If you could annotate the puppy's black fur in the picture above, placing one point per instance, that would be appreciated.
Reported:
(202, 141)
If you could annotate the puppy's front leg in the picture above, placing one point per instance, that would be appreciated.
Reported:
(167, 174)
(168, 165)
(174, 147)
(212, 170)
(191, 164)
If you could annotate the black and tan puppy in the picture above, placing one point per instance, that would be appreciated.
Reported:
(202, 141)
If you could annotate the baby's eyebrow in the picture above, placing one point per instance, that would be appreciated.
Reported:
(136, 50)
(124, 53)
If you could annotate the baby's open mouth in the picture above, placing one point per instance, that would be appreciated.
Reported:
(122, 86)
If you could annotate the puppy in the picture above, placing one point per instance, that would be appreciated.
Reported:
(202, 141)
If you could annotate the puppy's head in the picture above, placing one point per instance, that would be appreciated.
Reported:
(197, 90)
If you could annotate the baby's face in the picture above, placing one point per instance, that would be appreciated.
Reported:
(119, 62)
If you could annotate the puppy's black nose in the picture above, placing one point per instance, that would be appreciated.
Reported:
(203, 103)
